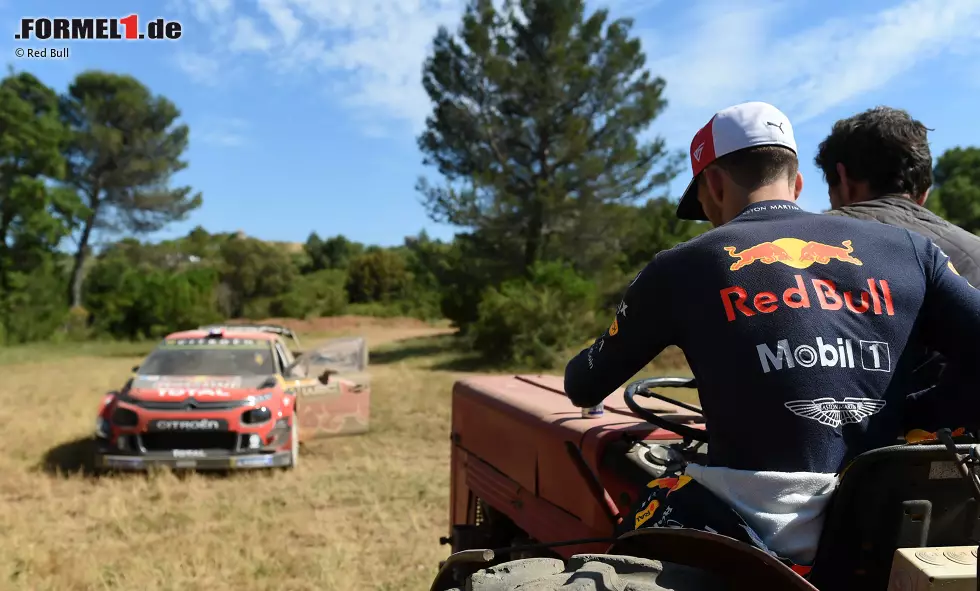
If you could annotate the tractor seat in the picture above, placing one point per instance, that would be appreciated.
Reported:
(902, 496)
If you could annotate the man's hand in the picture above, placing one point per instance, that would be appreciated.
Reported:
(325, 376)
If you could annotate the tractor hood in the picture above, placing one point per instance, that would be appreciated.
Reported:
(204, 388)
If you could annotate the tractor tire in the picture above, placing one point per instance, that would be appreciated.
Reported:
(591, 572)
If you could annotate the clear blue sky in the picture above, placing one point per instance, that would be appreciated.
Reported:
(303, 113)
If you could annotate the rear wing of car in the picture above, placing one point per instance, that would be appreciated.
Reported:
(270, 328)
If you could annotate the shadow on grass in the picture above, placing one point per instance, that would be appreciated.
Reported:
(135, 354)
(449, 352)
(474, 363)
(414, 348)
(445, 352)
(72, 457)
(77, 457)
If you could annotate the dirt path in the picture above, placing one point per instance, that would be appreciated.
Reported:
(377, 331)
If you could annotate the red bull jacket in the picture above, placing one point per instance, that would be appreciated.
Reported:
(800, 329)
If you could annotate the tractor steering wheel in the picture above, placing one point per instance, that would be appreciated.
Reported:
(644, 388)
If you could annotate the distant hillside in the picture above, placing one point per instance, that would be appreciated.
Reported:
(291, 247)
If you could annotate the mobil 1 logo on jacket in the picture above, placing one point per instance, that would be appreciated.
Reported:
(837, 352)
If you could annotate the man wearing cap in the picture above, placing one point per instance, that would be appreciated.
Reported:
(797, 327)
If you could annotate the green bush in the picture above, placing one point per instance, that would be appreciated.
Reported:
(532, 322)
(34, 309)
(257, 309)
(422, 303)
(132, 303)
(254, 271)
(378, 275)
(77, 325)
(474, 263)
(322, 293)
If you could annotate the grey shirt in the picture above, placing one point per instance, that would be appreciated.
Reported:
(962, 247)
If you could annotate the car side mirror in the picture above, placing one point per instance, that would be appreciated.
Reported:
(136, 368)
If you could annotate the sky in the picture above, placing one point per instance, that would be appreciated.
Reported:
(304, 113)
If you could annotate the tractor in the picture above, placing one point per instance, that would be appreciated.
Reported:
(537, 490)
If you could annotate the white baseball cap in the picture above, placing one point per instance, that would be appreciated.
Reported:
(736, 128)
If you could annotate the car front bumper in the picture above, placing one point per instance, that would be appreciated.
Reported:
(209, 461)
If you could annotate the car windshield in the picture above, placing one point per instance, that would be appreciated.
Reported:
(174, 358)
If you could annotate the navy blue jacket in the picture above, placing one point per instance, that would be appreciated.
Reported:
(800, 329)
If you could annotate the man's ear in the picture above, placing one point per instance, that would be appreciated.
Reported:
(844, 188)
(714, 180)
(798, 185)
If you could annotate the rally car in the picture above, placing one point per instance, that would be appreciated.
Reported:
(232, 397)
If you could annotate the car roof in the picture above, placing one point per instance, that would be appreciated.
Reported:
(227, 334)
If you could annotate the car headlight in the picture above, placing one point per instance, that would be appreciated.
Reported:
(256, 415)
(101, 428)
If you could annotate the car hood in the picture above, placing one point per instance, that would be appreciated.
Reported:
(204, 388)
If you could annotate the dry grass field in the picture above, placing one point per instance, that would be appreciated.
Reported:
(361, 512)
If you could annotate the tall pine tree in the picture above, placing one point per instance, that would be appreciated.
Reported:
(125, 146)
(537, 109)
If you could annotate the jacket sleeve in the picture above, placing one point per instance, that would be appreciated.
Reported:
(641, 328)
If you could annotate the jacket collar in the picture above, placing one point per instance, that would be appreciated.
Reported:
(774, 207)
(891, 200)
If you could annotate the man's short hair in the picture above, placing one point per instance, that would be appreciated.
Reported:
(754, 168)
(883, 146)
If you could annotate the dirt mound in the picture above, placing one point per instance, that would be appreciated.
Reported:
(339, 323)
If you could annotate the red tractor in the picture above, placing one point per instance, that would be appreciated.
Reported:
(537, 490)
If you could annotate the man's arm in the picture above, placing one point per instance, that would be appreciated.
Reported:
(950, 315)
(641, 329)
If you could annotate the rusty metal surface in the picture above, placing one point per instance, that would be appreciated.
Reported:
(538, 419)
(613, 401)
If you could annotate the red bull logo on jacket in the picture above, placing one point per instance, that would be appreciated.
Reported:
(792, 252)
(801, 254)
(669, 484)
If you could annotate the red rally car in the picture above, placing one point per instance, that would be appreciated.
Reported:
(222, 397)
